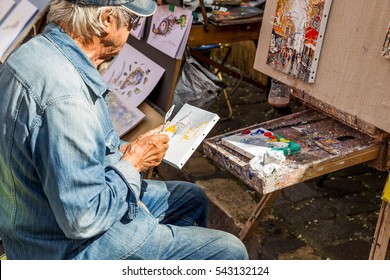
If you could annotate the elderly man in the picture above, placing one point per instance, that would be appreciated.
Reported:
(69, 188)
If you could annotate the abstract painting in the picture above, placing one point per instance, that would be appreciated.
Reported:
(297, 35)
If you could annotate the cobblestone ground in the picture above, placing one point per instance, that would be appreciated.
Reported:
(331, 217)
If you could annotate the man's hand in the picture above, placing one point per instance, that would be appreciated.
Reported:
(147, 150)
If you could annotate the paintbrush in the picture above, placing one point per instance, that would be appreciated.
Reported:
(167, 116)
(317, 143)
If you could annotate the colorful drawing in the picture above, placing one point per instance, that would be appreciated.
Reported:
(181, 125)
(138, 28)
(386, 44)
(170, 30)
(124, 115)
(186, 132)
(297, 34)
(133, 75)
(166, 25)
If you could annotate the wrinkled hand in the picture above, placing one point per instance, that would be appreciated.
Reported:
(147, 150)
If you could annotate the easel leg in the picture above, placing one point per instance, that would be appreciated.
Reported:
(260, 210)
(382, 234)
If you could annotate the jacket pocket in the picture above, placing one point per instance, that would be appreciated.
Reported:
(112, 142)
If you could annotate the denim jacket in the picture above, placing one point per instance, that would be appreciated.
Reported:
(62, 182)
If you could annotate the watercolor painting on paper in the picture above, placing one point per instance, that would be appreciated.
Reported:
(169, 30)
(132, 75)
(124, 115)
(138, 28)
(297, 35)
(186, 132)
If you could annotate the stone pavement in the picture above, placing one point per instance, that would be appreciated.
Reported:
(331, 217)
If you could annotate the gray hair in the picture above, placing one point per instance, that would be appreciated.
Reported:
(84, 21)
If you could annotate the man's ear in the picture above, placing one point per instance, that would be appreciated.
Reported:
(107, 18)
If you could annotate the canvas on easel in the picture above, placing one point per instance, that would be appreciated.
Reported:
(297, 35)
(170, 29)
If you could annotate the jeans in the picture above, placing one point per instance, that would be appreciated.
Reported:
(179, 213)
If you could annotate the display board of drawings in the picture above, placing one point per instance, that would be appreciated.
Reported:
(169, 29)
(14, 16)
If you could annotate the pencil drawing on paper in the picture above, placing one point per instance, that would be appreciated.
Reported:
(296, 39)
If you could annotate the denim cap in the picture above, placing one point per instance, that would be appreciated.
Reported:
(143, 8)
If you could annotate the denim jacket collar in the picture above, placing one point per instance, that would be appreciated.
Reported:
(77, 57)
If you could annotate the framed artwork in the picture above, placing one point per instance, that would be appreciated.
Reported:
(297, 35)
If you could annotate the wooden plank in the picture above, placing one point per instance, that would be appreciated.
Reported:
(223, 34)
(355, 148)
(352, 76)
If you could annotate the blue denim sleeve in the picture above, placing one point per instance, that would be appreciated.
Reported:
(87, 193)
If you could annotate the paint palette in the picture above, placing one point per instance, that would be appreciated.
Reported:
(312, 161)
